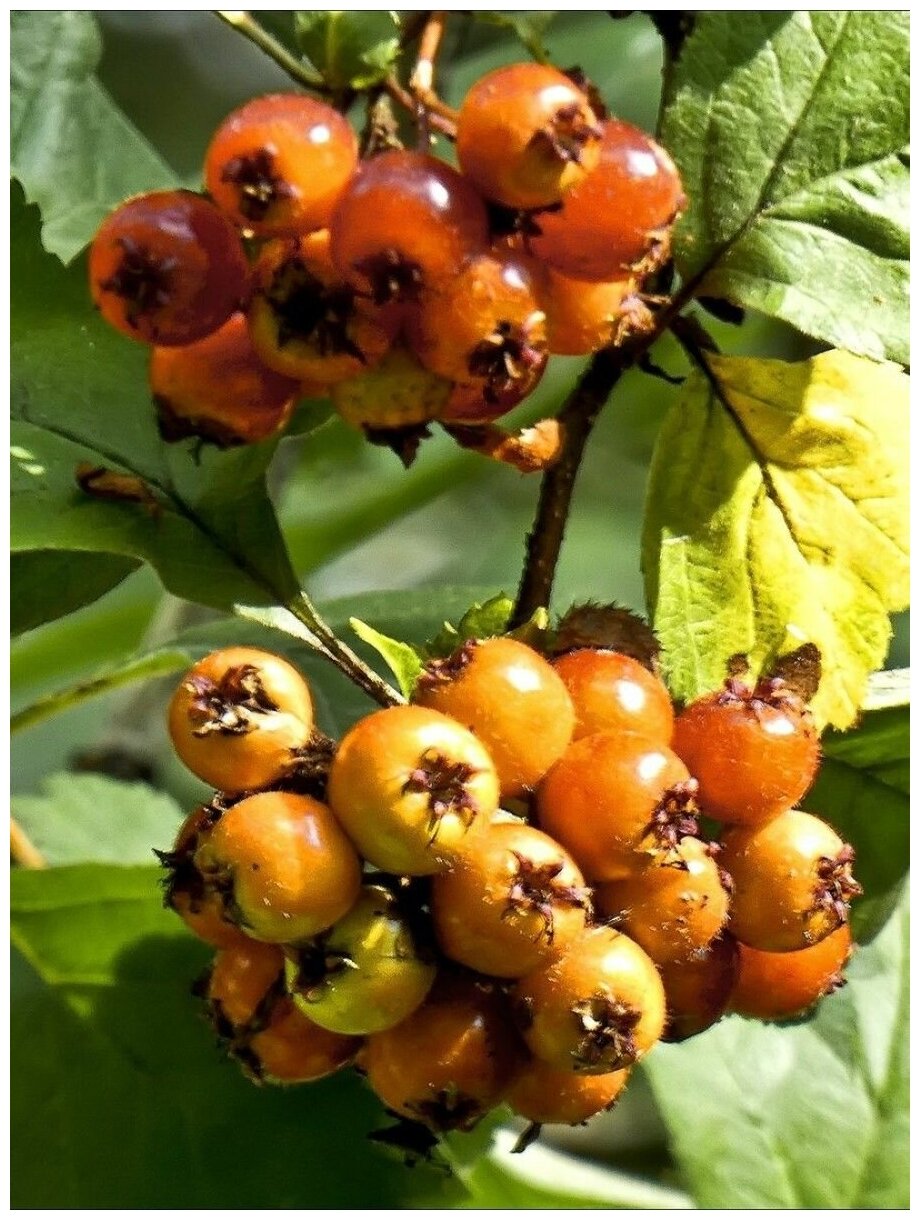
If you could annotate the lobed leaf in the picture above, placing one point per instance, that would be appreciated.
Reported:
(810, 1114)
(80, 819)
(776, 515)
(791, 132)
(72, 148)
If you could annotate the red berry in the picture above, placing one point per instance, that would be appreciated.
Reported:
(698, 990)
(753, 752)
(793, 881)
(775, 986)
(596, 1009)
(512, 900)
(167, 268)
(526, 134)
(617, 804)
(186, 892)
(544, 1094)
(610, 222)
(219, 390)
(278, 164)
(582, 317)
(511, 699)
(673, 910)
(612, 691)
(406, 221)
(485, 330)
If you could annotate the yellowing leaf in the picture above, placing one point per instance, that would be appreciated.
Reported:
(777, 514)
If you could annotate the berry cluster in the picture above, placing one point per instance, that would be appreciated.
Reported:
(405, 289)
(499, 893)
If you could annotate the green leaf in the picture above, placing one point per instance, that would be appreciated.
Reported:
(110, 1053)
(862, 790)
(777, 514)
(133, 669)
(79, 396)
(791, 132)
(807, 1115)
(543, 1177)
(528, 27)
(351, 49)
(46, 585)
(93, 819)
(73, 150)
(405, 661)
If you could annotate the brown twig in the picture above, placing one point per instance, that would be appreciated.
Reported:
(544, 542)
(399, 93)
(22, 850)
(421, 83)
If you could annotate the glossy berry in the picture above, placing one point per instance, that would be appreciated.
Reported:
(167, 268)
(754, 752)
(368, 972)
(698, 990)
(306, 322)
(261, 1026)
(526, 134)
(406, 221)
(278, 164)
(582, 317)
(613, 220)
(673, 909)
(282, 865)
(239, 717)
(617, 804)
(776, 986)
(512, 700)
(450, 1062)
(513, 900)
(611, 691)
(597, 1008)
(219, 390)
(396, 393)
(185, 890)
(408, 784)
(484, 329)
(793, 881)
(544, 1094)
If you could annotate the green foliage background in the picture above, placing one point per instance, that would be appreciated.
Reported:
(120, 1098)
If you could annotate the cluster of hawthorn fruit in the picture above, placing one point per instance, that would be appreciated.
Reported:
(402, 288)
(499, 893)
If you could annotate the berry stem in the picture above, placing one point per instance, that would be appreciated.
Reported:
(245, 24)
(544, 542)
(22, 850)
(336, 651)
(422, 81)
(438, 122)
